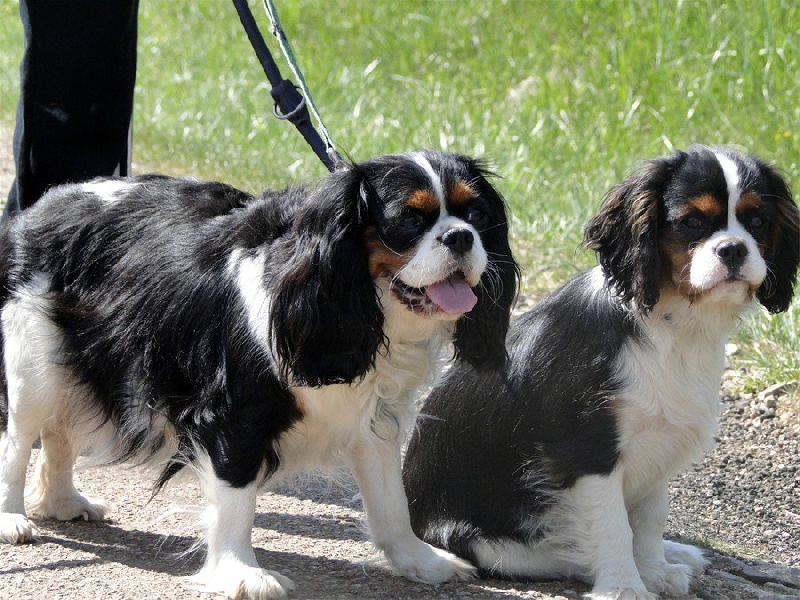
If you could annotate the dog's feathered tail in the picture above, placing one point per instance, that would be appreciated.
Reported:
(457, 537)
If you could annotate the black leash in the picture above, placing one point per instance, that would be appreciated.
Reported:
(289, 103)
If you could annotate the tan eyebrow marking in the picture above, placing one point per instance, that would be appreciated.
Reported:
(423, 200)
(706, 204)
(461, 193)
(748, 201)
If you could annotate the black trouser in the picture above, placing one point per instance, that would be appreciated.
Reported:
(76, 99)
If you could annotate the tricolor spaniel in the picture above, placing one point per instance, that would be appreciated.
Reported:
(184, 324)
(559, 467)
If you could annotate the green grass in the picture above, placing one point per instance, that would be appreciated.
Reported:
(563, 96)
(770, 344)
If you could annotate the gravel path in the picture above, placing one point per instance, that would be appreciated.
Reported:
(745, 496)
(742, 500)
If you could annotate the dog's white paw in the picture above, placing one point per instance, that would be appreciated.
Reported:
(68, 508)
(667, 578)
(625, 593)
(427, 564)
(684, 554)
(241, 582)
(16, 529)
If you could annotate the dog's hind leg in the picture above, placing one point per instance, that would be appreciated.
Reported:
(54, 495)
(29, 340)
(38, 393)
(15, 452)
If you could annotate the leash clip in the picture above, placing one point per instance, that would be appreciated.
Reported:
(288, 116)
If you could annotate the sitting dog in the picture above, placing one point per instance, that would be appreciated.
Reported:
(559, 466)
(165, 321)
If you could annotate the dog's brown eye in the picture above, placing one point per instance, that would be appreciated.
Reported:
(756, 222)
(693, 227)
(693, 223)
(477, 218)
(411, 221)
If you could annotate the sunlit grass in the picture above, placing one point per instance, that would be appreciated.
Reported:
(564, 98)
(772, 345)
(710, 543)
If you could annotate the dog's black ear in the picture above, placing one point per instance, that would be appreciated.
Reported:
(625, 232)
(783, 251)
(480, 335)
(326, 320)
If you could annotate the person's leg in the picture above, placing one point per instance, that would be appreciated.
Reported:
(76, 99)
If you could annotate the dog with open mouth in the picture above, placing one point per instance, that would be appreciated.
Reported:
(559, 465)
(176, 323)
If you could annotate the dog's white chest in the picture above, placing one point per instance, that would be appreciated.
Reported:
(336, 416)
(668, 410)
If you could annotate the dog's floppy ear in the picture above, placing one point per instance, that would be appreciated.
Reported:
(480, 335)
(326, 320)
(625, 232)
(783, 251)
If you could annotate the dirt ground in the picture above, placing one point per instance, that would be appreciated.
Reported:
(314, 535)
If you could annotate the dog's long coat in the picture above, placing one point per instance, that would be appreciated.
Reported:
(558, 466)
(176, 323)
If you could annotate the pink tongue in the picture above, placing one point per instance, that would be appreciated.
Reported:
(452, 295)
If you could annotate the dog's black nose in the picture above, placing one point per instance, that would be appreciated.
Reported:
(458, 240)
(731, 254)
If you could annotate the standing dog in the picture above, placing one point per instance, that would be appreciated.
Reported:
(559, 467)
(167, 321)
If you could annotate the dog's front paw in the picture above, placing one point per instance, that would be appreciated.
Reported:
(666, 578)
(16, 529)
(241, 582)
(426, 564)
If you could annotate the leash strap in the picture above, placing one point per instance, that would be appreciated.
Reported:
(289, 103)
